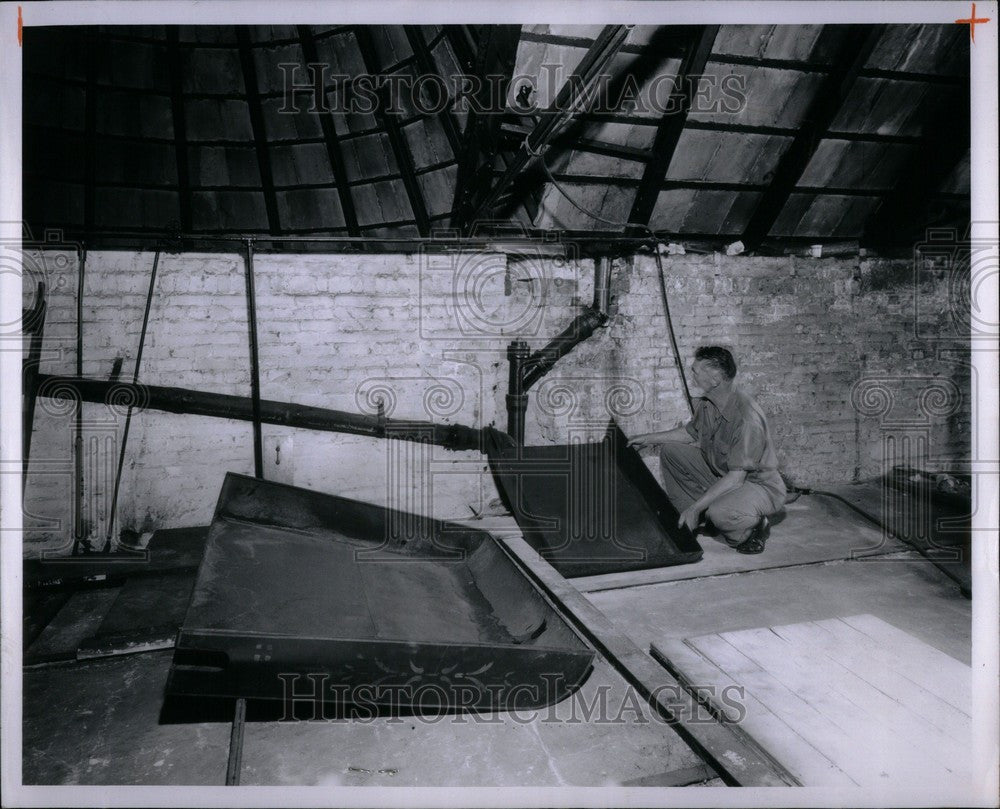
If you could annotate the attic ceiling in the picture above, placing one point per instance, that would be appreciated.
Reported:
(823, 133)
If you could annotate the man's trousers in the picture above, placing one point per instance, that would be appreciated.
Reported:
(687, 476)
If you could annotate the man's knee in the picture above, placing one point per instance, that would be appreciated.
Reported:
(676, 453)
(732, 514)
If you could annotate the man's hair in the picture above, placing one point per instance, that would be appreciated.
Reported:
(717, 357)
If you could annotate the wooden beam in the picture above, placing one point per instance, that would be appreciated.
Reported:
(901, 217)
(397, 140)
(257, 125)
(855, 46)
(668, 132)
(180, 128)
(496, 56)
(330, 138)
(90, 134)
(425, 62)
(517, 132)
(564, 109)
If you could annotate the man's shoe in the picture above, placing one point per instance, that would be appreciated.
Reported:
(757, 539)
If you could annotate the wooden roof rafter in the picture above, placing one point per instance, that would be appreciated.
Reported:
(495, 55)
(176, 69)
(257, 126)
(425, 63)
(945, 142)
(669, 130)
(331, 140)
(855, 47)
(397, 140)
(577, 88)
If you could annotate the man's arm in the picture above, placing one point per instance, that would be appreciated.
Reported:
(679, 434)
(724, 485)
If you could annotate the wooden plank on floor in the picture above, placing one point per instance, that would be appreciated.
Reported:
(864, 662)
(804, 720)
(906, 750)
(931, 669)
(146, 615)
(807, 763)
(841, 691)
(78, 619)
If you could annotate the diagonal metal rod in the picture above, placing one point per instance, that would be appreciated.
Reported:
(131, 399)
(597, 58)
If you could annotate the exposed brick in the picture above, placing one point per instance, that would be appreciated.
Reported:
(804, 332)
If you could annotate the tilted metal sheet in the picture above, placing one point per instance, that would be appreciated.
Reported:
(592, 508)
(300, 591)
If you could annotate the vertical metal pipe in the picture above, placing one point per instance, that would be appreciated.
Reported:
(602, 285)
(258, 446)
(128, 414)
(78, 427)
(517, 399)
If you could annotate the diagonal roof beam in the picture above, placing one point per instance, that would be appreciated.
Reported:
(257, 126)
(496, 56)
(180, 128)
(396, 138)
(945, 142)
(668, 133)
(856, 45)
(577, 86)
(330, 139)
(90, 134)
(425, 62)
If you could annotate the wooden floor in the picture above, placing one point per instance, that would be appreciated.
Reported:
(850, 701)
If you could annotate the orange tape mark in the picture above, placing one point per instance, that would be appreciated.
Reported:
(20, 27)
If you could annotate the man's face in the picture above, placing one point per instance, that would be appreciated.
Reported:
(704, 375)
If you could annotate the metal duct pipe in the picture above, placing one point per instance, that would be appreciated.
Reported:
(526, 370)
(220, 405)
(602, 285)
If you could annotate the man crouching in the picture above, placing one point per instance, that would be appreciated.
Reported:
(722, 462)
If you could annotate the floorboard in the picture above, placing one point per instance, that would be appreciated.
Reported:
(848, 691)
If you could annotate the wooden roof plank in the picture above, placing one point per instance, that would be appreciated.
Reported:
(400, 150)
(180, 129)
(827, 102)
(668, 132)
(257, 125)
(331, 141)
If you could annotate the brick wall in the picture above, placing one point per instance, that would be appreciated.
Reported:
(840, 352)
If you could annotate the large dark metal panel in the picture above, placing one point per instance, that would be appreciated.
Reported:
(375, 606)
(592, 508)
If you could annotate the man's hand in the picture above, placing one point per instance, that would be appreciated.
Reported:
(689, 517)
(645, 440)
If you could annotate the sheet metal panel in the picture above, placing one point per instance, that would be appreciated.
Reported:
(379, 607)
(592, 508)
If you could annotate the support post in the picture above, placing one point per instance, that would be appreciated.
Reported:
(258, 445)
